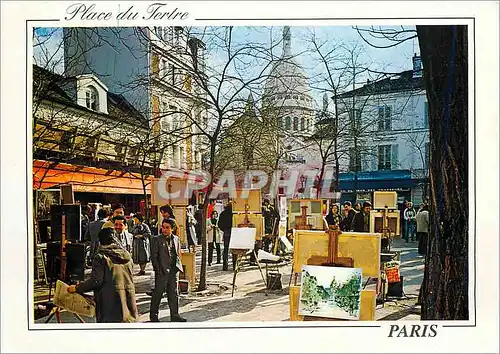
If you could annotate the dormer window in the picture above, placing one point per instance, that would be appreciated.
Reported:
(92, 98)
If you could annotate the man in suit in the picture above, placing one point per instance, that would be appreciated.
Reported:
(349, 213)
(361, 221)
(124, 237)
(165, 257)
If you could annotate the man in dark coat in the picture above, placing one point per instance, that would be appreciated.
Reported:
(92, 233)
(346, 222)
(112, 282)
(165, 257)
(361, 221)
(225, 224)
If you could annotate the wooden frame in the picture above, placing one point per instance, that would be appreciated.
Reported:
(381, 199)
(175, 184)
(256, 219)
(314, 210)
(364, 248)
(254, 201)
(377, 221)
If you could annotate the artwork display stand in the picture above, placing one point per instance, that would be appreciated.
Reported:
(240, 253)
(333, 260)
(56, 310)
(301, 221)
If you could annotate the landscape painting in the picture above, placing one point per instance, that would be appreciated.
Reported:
(331, 292)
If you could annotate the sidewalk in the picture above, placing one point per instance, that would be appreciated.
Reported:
(252, 303)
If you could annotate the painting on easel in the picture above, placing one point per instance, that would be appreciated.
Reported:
(332, 292)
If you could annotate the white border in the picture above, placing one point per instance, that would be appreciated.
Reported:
(14, 334)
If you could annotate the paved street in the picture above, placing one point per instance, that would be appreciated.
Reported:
(250, 301)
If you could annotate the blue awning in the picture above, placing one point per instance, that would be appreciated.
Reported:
(377, 180)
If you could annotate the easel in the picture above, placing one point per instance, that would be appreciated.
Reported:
(333, 260)
(301, 221)
(239, 253)
(386, 230)
(57, 310)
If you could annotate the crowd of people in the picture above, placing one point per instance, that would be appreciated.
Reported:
(415, 224)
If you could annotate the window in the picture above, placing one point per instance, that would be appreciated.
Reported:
(174, 117)
(92, 98)
(388, 157)
(354, 160)
(163, 68)
(355, 120)
(426, 115)
(288, 123)
(280, 123)
(295, 97)
(384, 118)
(302, 98)
(177, 36)
(302, 124)
(287, 97)
(295, 123)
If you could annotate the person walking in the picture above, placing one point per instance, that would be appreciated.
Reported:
(198, 215)
(410, 221)
(112, 282)
(333, 217)
(361, 221)
(191, 229)
(117, 210)
(422, 229)
(165, 257)
(92, 233)
(214, 237)
(346, 221)
(225, 225)
(140, 245)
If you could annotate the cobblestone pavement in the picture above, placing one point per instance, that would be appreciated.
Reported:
(251, 302)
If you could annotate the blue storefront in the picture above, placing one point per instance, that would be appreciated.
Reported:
(361, 185)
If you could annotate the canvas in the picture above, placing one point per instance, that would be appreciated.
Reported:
(253, 199)
(331, 292)
(242, 238)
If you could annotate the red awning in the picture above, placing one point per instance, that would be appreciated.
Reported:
(87, 179)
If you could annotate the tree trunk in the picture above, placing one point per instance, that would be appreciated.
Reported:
(444, 54)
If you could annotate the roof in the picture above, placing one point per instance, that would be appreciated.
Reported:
(54, 87)
(401, 82)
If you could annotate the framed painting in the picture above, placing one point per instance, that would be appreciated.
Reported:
(252, 198)
(332, 292)
(176, 187)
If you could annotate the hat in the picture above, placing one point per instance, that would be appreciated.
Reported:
(367, 204)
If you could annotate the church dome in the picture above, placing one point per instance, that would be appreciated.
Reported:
(287, 84)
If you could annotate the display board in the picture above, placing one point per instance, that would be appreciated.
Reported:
(176, 186)
(188, 260)
(377, 221)
(314, 212)
(253, 199)
(256, 219)
(364, 248)
(384, 199)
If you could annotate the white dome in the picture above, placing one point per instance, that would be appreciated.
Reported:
(287, 84)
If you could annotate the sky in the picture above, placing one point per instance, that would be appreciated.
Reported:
(394, 59)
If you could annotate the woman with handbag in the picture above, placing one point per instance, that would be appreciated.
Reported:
(140, 246)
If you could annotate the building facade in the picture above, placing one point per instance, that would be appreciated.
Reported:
(154, 69)
(388, 137)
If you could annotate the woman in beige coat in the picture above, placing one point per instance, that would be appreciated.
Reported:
(214, 237)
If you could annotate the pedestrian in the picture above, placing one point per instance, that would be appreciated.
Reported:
(165, 257)
(410, 221)
(84, 219)
(333, 217)
(190, 229)
(210, 208)
(346, 221)
(116, 210)
(225, 225)
(123, 236)
(357, 207)
(92, 233)
(140, 245)
(214, 237)
(422, 229)
(167, 212)
(112, 282)
(198, 215)
(361, 221)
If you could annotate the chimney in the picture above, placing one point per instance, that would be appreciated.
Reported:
(417, 66)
